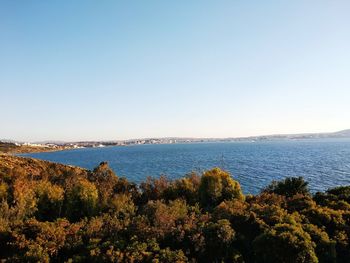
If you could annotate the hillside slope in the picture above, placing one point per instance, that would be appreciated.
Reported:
(32, 167)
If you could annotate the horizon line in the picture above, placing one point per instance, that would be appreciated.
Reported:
(174, 137)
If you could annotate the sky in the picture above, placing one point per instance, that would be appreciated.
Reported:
(108, 70)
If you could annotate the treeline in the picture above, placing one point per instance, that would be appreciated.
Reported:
(58, 215)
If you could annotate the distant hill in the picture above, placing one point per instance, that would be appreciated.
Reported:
(338, 134)
(342, 134)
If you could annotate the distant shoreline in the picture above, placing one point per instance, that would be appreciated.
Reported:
(13, 147)
(18, 152)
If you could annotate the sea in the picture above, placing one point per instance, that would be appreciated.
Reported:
(324, 163)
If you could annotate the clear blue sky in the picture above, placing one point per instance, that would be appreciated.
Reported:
(91, 70)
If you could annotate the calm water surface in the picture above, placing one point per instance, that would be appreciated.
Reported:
(323, 163)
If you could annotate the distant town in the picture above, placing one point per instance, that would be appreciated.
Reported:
(15, 146)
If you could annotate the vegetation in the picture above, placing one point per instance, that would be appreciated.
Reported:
(7, 147)
(55, 213)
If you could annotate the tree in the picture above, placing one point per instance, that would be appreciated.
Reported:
(325, 248)
(342, 192)
(185, 188)
(105, 180)
(288, 187)
(35, 241)
(154, 188)
(81, 200)
(217, 186)
(24, 198)
(219, 237)
(50, 200)
(122, 206)
(285, 243)
(164, 216)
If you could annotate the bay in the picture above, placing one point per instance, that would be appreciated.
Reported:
(324, 163)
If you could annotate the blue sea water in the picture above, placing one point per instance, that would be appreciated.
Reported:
(323, 163)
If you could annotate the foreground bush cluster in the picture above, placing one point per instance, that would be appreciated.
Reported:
(95, 216)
